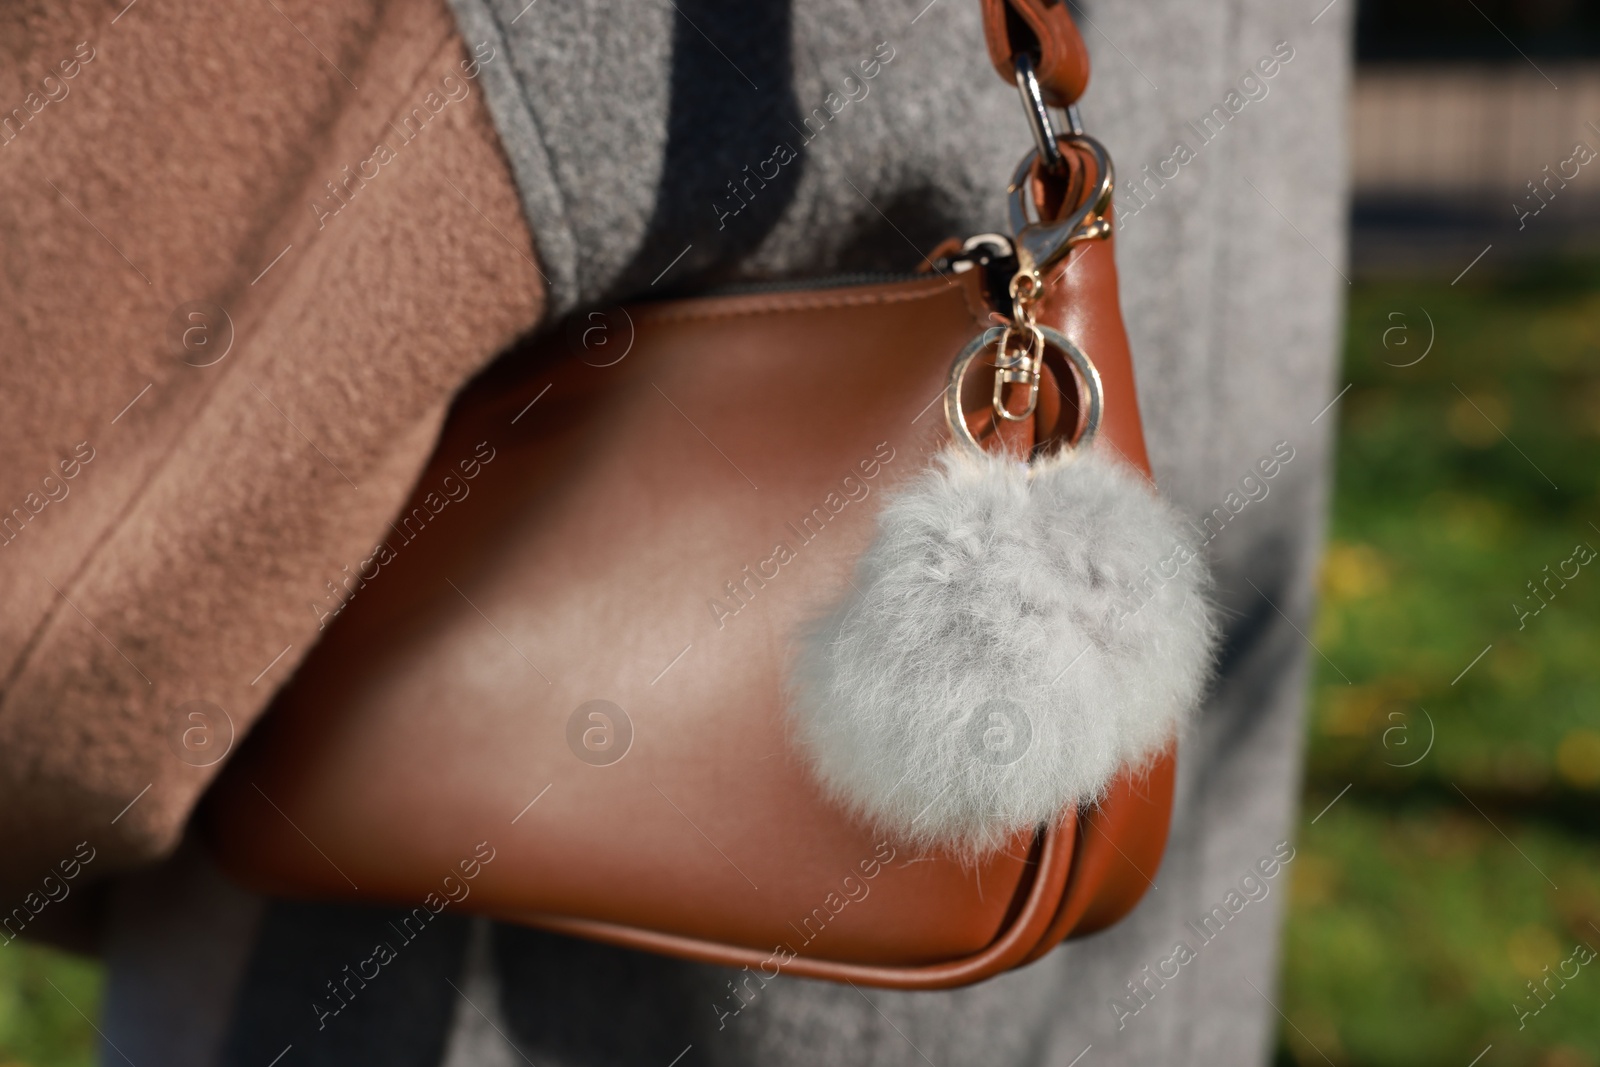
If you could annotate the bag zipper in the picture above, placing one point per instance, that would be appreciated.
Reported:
(988, 252)
(828, 281)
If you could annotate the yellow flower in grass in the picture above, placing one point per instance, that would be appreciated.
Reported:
(1578, 758)
(1531, 949)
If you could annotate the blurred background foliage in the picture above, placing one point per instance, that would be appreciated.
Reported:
(47, 999)
(1461, 855)
(1459, 860)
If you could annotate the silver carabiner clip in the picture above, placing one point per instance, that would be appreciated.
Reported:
(1033, 106)
(1039, 244)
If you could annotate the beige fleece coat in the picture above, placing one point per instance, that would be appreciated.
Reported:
(174, 501)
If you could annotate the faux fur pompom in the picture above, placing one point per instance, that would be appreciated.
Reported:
(1015, 639)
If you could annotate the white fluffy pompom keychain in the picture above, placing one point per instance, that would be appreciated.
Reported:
(1016, 637)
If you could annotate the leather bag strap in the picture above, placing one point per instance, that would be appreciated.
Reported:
(1044, 30)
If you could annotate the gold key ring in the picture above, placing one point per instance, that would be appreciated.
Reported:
(1088, 374)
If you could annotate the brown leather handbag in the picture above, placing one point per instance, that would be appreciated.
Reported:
(556, 696)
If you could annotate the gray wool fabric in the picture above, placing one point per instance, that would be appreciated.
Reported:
(638, 140)
(631, 135)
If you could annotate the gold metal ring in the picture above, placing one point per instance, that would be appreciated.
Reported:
(1082, 364)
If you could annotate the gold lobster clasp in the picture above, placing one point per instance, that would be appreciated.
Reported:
(1039, 244)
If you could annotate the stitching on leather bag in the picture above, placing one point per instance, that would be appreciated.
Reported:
(981, 312)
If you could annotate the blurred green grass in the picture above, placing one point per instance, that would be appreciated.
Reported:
(1428, 894)
(41, 995)
(1414, 924)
